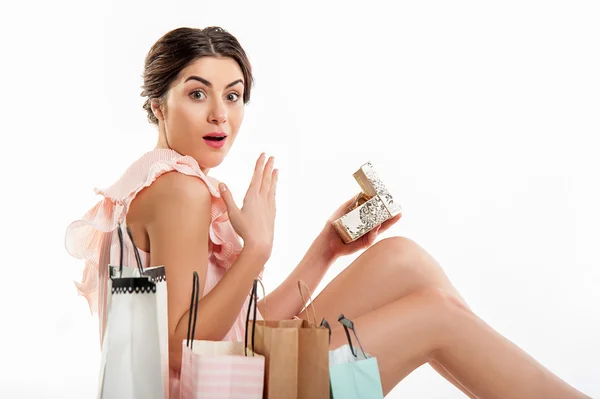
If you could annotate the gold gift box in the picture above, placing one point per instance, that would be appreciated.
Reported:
(373, 206)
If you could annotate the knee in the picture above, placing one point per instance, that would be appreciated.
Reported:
(408, 259)
(397, 243)
(400, 248)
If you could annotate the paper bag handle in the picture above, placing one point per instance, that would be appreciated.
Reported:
(349, 325)
(193, 311)
(302, 285)
(138, 259)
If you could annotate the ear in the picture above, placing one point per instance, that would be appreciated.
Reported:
(157, 109)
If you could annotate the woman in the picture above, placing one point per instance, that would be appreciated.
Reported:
(197, 83)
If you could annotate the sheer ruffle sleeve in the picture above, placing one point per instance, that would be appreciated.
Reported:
(83, 238)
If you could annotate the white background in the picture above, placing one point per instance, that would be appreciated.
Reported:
(482, 117)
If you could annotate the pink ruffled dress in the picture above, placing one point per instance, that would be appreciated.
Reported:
(84, 238)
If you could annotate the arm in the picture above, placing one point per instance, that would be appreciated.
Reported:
(179, 206)
(285, 302)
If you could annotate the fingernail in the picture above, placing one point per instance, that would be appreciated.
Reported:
(222, 187)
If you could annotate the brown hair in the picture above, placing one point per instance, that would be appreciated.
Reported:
(180, 47)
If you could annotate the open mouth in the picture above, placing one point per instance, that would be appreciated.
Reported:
(214, 138)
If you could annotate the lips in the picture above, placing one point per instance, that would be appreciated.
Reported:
(215, 139)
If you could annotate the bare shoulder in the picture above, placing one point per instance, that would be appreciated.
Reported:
(171, 198)
(178, 187)
(174, 190)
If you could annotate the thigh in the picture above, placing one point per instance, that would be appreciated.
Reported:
(389, 270)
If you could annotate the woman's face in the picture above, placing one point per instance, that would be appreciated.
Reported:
(203, 110)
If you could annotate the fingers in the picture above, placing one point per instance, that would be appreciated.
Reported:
(262, 178)
(232, 208)
(267, 176)
(346, 205)
(273, 190)
(372, 236)
(258, 174)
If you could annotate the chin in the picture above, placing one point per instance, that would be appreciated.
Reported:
(210, 160)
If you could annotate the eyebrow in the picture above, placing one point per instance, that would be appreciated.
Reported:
(207, 83)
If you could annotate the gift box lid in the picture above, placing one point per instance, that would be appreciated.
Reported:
(372, 185)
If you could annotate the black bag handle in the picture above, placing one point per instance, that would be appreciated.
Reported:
(138, 258)
(349, 325)
(325, 323)
(253, 302)
(193, 311)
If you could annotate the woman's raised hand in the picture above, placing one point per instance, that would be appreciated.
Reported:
(255, 221)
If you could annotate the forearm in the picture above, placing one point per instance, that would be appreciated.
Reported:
(285, 301)
(218, 310)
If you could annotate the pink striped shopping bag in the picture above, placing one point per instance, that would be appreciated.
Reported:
(219, 369)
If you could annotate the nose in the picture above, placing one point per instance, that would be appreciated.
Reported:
(218, 114)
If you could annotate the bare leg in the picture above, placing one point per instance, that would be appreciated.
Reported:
(393, 269)
(433, 324)
(389, 270)
(444, 373)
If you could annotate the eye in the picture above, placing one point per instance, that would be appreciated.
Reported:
(236, 97)
(197, 95)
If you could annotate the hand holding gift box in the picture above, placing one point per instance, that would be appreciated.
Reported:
(373, 206)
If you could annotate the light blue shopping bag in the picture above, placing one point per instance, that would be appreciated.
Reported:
(353, 374)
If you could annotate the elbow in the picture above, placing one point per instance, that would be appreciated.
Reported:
(175, 353)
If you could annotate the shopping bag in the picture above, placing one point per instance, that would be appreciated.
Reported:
(296, 356)
(354, 374)
(131, 364)
(313, 353)
(158, 276)
(220, 369)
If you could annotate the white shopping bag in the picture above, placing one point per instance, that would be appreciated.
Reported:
(157, 276)
(132, 366)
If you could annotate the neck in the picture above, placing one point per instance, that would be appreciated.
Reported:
(162, 141)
